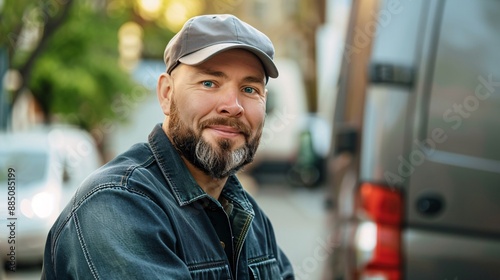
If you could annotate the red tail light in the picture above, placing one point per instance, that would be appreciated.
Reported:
(382, 204)
(378, 237)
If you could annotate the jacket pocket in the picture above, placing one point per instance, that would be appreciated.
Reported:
(264, 269)
(208, 271)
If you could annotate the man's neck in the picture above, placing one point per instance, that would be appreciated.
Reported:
(210, 185)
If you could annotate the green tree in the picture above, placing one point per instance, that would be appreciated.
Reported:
(72, 68)
(78, 75)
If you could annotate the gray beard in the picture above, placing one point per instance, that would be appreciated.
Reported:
(220, 164)
(216, 161)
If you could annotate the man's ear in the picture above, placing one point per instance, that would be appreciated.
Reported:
(164, 91)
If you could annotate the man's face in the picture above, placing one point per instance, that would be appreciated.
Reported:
(217, 111)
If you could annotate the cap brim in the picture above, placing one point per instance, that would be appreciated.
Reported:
(204, 54)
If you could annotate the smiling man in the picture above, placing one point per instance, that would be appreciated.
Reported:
(223, 106)
(173, 208)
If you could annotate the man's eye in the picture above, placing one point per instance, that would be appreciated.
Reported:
(249, 90)
(208, 84)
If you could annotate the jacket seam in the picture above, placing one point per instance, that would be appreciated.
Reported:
(242, 237)
(263, 259)
(131, 169)
(206, 265)
(83, 246)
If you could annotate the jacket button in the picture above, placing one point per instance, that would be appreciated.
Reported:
(223, 245)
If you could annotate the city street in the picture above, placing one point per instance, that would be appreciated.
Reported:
(298, 218)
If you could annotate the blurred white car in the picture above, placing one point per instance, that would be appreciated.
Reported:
(45, 167)
(294, 142)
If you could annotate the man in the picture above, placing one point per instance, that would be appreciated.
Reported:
(172, 208)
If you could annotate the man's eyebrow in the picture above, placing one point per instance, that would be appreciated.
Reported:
(253, 79)
(210, 72)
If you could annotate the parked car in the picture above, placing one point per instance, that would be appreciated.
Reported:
(414, 185)
(46, 166)
(294, 142)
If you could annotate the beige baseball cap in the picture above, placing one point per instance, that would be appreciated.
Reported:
(204, 36)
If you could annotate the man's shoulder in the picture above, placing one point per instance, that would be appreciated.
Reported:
(135, 170)
(115, 171)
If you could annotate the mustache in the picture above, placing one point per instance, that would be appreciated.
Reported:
(234, 123)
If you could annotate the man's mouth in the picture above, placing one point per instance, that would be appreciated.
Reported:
(226, 127)
(225, 131)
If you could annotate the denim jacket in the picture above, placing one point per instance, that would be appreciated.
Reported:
(143, 216)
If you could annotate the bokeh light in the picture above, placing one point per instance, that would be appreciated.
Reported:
(171, 14)
(177, 12)
(149, 9)
(130, 44)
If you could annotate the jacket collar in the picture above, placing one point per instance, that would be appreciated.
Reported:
(182, 183)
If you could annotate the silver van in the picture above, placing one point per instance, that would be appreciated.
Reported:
(414, 171)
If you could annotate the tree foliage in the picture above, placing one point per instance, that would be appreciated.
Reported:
(72, 71)
(78, 75)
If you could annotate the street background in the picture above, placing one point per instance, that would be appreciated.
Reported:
(79, 79)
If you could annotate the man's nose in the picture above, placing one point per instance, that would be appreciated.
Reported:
(230, 105)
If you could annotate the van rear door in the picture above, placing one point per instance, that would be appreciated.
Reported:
(453, 199)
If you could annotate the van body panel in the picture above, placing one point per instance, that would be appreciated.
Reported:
(459, 256)
(434, 136)
(382, 129)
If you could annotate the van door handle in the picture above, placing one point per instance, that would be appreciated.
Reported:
(386, 73)
(430, 205)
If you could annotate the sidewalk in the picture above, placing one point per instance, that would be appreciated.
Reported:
(298, 218)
